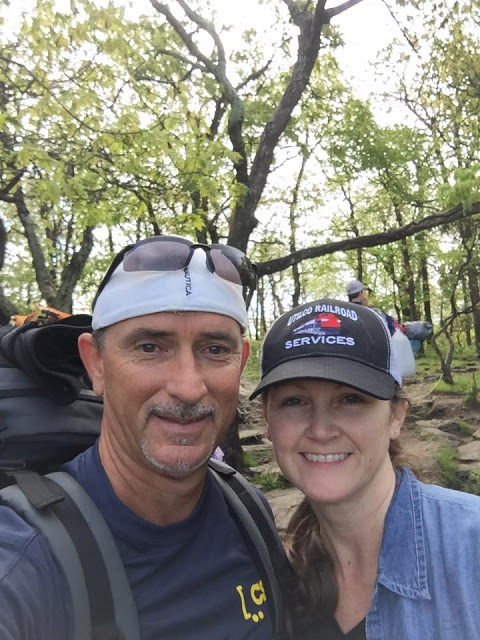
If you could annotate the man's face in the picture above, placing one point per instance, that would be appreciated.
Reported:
(364, 297)
(170, 384)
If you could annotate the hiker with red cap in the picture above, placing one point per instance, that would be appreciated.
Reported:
(378, 554)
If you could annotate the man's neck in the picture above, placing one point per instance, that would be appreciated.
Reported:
(149, 493)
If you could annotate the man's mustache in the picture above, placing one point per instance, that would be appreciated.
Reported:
(180, 412)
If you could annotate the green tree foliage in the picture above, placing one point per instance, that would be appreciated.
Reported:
(117, 123)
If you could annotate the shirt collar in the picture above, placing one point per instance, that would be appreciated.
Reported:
(402, 566)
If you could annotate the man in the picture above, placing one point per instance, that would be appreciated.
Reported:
(357, 292)
(360, 294)
(166, 355)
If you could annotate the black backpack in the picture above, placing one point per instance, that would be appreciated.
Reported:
(47, 413)
(47, 416)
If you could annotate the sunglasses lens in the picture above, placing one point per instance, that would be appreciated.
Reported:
(225, 257)
(224, 267)
(171, 256)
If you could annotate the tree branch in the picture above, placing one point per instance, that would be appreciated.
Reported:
(296, 13)
(210, 29)
(373, 240)
(335, 11)
(184, 35)
(13, 183)
(218, 70)
(254, 75)
(243, 220)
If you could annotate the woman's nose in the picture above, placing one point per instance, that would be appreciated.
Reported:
(322, 424)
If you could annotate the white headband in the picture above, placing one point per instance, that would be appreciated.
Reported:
(129, 294)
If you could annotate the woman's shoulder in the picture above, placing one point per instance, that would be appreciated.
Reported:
(449, 502)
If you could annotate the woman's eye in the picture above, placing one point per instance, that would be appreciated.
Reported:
(353, 398)
(291, 402)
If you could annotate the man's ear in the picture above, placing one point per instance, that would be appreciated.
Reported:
(399, 412)
(245, 353)
(92, 361)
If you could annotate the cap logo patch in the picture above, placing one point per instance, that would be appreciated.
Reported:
(324, 328)
(321, 324)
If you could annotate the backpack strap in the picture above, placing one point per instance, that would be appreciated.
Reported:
(258, 527)
(56, 504)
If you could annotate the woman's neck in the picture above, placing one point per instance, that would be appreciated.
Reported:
(353, 532)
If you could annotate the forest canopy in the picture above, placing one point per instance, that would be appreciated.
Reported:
(116, 124)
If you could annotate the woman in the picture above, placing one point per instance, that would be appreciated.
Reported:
(378, 555)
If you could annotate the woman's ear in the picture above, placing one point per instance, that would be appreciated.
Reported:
(399, 412)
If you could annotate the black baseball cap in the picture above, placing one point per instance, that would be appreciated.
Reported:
(331, 340)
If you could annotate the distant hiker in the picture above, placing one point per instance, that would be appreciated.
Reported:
(166, 355)
(379, 554)
(359, 293)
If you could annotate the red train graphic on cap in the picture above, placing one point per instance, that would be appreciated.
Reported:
(327, 323)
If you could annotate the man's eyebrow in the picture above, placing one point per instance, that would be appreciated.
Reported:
(220, 335)
(145, 333)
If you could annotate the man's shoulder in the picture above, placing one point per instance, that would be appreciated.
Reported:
(242, 487)
(22, 545)
(33, 600)
(16, 538)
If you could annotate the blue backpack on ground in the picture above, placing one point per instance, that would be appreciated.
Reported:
(47, 416)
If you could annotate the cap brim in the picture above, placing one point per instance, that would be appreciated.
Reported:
(352, 374)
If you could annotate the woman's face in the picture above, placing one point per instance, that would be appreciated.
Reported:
(332, 441)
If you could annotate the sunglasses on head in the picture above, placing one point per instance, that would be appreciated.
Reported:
(169, 253)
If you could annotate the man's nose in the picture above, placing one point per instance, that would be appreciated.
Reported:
(186, 381)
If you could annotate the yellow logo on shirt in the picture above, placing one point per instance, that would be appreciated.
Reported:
(257, 597)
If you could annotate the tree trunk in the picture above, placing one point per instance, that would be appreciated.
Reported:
(293, 228)
(409, 307)
(277, 303)
(472, 276)
(444, 364)
(7, 310)
(427, 308)
(232, 447)
(467, 321)
(42, 274)
(73, 270)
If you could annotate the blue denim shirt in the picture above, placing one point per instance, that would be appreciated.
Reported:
(429, 567)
